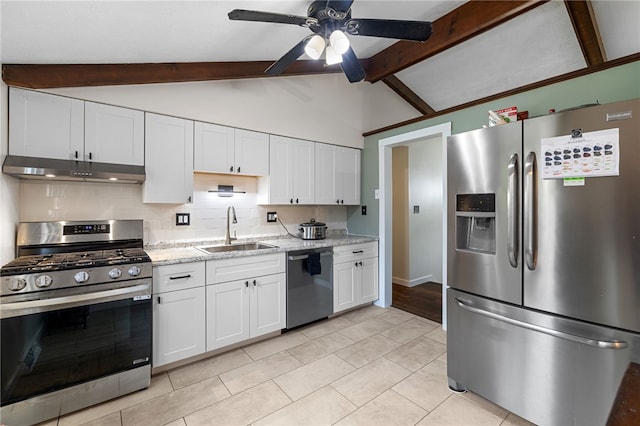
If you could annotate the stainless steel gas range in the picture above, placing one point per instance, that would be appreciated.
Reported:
(75, 316)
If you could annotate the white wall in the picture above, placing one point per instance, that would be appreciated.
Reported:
(425, 228)
(323, 108)
(44, 200)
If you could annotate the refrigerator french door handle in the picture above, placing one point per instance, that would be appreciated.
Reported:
(530, 212)
(603, 344)
(513, 206)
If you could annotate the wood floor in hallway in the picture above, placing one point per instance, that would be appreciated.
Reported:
(424, 300)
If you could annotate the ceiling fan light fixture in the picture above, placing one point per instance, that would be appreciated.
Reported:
(314, 47)
(331, 56)
(339, 41)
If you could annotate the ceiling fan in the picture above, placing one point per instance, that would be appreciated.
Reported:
(329, 20)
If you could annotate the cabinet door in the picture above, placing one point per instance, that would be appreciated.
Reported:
(178, 325)
(267, 304)
(344, 286)
(368, 280)
(325, 183)
(348, 176)
(227, 313)
(252, 153)
(213, 148)
(113, 135)
(43, 125)
(303, 171)
(168, 160)
(280, 190)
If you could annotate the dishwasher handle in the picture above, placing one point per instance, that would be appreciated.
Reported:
(306, 256)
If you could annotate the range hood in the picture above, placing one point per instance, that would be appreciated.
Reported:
(55, 169)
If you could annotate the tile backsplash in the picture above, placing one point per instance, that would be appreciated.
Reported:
(59, 200)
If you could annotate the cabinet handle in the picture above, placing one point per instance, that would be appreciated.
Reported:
(76, 155)
(356, 264)
(189, 199)
(341, 201)
(360, 263)
(291, 201)
(90, 156)
(296, 201)
(254, 283)
(246, 284)
(159, 300)
(238, 169)
(337, 201)
(231, 169)
(181, 277)
(357, 251)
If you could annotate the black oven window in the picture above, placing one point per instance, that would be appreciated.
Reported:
(48, 351)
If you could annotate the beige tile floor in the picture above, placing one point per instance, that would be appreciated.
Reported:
(371, 366)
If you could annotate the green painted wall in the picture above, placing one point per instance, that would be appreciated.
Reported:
(614, 84)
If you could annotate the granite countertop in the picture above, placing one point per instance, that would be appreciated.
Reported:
(185, 252)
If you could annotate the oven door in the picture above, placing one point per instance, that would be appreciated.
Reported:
(68, 339)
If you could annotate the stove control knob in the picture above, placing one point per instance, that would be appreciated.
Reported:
(134, 271)
(81, 277)
(44, 281)
(17, 284)
(115, 273)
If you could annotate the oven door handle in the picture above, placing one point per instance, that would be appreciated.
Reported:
(42, 305)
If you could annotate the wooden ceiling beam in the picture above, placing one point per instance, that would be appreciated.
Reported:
(46, 76)
(408, 95)
(459, 25)
(586, 29)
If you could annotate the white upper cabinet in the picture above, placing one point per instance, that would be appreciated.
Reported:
(251, 153)
(214, 148)
(51, 126)
(220, 149)
(47, 126)
(292, 172)
(113, 134)
(168, 160)
(337, 175)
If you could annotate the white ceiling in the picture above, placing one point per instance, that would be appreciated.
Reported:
(534, 46)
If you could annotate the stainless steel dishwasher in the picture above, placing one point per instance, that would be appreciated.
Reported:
(309, 285)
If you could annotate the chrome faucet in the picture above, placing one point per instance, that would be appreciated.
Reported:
(227, 237)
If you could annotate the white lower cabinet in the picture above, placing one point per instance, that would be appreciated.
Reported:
(249, 305)
(178, 312)
(355, 275)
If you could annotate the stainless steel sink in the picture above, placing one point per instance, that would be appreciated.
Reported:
(237, 247)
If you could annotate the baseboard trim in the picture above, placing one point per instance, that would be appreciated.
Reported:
(411, 283)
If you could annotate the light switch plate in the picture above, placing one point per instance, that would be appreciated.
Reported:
(183, 219)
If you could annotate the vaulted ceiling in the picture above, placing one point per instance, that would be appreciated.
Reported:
(478, 50)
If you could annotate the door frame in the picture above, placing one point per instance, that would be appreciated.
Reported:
(385, 224)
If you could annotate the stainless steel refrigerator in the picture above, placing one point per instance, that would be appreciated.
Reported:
(543, 309)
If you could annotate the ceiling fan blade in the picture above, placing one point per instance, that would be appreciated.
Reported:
(340, 5)
(389, 28)
(352, 67)
(290, 57)
(257, 16)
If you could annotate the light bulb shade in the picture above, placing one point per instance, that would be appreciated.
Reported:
(332, 57)
(339, 41)
(314, 47)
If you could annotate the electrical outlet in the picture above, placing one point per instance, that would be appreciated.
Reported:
(364, 210)
(183, 219)
(272, 217)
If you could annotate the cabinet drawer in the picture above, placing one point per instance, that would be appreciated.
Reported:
(178, 277)
(353, 252)
(223, 270)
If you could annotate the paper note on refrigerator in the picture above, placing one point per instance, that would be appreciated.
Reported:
(589, 154)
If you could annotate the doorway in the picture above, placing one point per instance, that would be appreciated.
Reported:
(385, 146)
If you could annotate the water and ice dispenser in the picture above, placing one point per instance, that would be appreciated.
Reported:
(476, 223)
